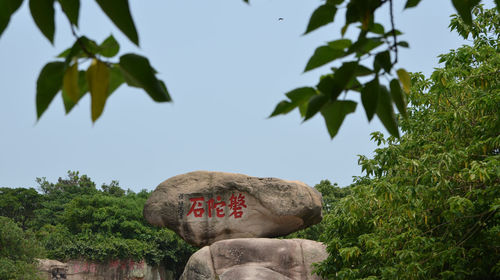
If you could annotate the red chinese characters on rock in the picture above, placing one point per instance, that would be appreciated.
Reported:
(236, 205)
(197, 206)
(215, 208)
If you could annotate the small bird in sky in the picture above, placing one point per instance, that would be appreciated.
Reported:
(280, 19)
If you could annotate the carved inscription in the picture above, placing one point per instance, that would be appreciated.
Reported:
(216, 207)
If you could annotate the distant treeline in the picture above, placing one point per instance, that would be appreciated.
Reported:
(72, 219)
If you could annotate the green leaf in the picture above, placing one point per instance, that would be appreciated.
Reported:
(391, 33)
(71, 53)
(404, 78)
(326, 85)
(98, 81)
(340, 44)
(68, 103)
(364, 45)
(334, 114)
(403, 44)
(369, 97)
(284, 107)
(464, 9)
(343, 30)
(42, 12)
(377, 28)
(72, 9)
(323, 15)
(48, 84)
(109, 47)
(353, 12)
(315, 104)
(385, 111)
(411, 3)
(7, 8)
(382, 60)
(362, 11)
(82, 89)
(398, 96)
(118, 11)
(115, 79)
(298, 97)
(301, 95)
(89, 45)
(164, 87)
(82, 82)
(128, 79)
(323, 55)
(303, 109)
(77, 51)
(138, 72)
(333, 86)
(353, 84)
(70, 82)
(362, 71)
(64, 53)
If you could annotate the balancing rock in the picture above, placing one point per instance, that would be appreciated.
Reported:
(204, 207)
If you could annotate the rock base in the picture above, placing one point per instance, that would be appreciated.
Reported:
(256, 259)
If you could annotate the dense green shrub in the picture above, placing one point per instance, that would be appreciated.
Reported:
(72, 219)
(428, 205)
(18, 250)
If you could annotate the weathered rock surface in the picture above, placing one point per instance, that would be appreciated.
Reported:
(256, 259)
(87, 270)
(204, 207)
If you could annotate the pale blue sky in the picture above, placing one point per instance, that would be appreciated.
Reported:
(226, 65)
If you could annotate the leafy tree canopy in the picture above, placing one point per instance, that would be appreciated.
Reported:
(19, 204)
(331, 194)
(72, 219)
(18, 250)
(427, 207)
(56, 195)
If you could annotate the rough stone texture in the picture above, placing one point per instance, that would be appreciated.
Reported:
(256, 259)
(113, 270)
(201, 266)
(274, 207)
(51, 269)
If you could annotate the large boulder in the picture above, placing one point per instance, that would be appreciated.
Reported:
(204, 207)
(256, 259)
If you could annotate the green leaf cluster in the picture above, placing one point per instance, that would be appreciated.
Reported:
(427, 207)
(363, 62)
(102, 77)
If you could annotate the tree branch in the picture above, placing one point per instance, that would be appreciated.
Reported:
(395, 45)
(82, 45)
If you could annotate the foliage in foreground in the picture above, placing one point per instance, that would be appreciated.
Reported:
(428, 205)
(363, 64)
(104, 75)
